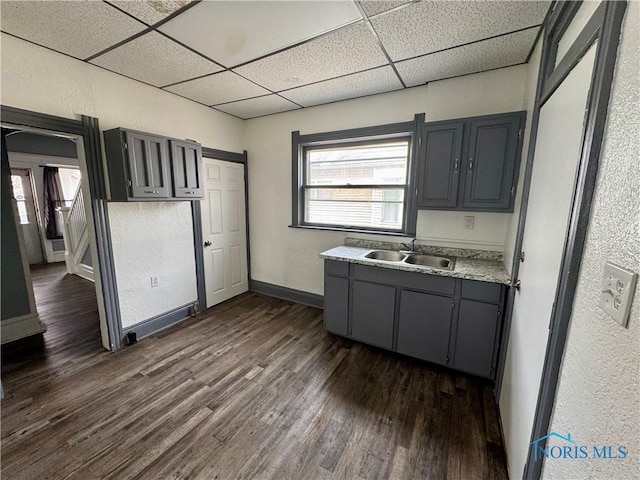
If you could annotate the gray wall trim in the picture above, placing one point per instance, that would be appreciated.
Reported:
(196, 217)
(286, 293)
(608, 35)
(26, 118)
(356, 133)
(411, 214)
(160, 322)
(224, 155)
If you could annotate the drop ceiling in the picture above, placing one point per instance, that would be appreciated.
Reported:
(255, 58)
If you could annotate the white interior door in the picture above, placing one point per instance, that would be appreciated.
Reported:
(23, 193)
(552, 184)
(224, 230)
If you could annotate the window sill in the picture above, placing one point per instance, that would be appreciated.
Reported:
(388, 233)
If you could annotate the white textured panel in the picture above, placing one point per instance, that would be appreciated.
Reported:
(150, 11)
(583, 15)
(152, 239)
(370, 82)
(155, 59)
(235, 252)
(497, 52)
(80, 28)
(374, 7)
(233, 210)
(214, 197)
(344, 51)
(597, 398)
(427, 27)
(256, 107)
(219, 88)
(246, 30)
(213, 172)
(217, 260)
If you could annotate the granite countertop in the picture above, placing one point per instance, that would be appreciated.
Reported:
(485, 270)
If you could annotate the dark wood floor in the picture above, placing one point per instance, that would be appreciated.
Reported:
(253, 388)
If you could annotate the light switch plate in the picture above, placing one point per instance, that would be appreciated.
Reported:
(616, 295)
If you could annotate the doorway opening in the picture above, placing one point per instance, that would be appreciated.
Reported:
(50, 193)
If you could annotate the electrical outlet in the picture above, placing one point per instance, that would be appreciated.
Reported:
(616, 295)
(469, 222)
(155, 281)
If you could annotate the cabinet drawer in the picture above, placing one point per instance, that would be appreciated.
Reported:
(412, 280)
(334, 267)
(488, 292)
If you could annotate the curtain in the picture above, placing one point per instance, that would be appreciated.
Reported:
(52, 200)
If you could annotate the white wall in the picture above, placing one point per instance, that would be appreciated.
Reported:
(598, 398)
(289, 257)
(38, 79)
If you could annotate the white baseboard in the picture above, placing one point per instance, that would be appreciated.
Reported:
(85, 272)
(20, 327)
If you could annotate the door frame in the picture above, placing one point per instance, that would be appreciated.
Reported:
(88, 129)
(196, 212)
(604, 27)
(36, 207)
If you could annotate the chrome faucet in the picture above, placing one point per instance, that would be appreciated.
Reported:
(411, 246)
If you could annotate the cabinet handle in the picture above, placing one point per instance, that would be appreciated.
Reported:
(151, 191)
(187, 192)
(456, 165)
(470, 163)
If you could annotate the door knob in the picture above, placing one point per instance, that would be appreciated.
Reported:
(207, 243)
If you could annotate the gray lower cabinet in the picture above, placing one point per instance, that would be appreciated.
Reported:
(336, 304)
(424, 323)
(373, 313)
(475, 337)
(444, 320)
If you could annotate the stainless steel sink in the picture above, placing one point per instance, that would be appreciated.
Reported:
(386, 255)
(444, 263)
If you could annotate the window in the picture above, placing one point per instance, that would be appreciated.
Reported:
(354, 183)
(19, 195)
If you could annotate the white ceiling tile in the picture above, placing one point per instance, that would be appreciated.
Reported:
(256, 107)
(341, 52)
(427, 27)
(150, 11)
(476, 57)
(155, 59)
(79, 29)
(232, 33)
(374, 7)
(374, 81)
(219, 88)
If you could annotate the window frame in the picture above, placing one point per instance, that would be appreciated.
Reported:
(409, 131)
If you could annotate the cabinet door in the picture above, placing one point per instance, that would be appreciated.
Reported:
(373, 313)
(336, 304)
(440, 165)
(491, 163)
(475, 337)
(148, 166)
(186, 159)
(423, 326)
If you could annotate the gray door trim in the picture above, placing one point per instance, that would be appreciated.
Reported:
(197, 219)
(88, 128)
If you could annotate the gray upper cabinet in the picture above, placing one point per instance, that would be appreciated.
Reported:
(491, 163)
(441, 152)
(138, 165)
(470, 164)
(146, 167)
(186, 169)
